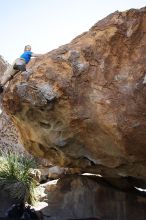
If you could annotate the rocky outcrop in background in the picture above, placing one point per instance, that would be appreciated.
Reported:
(3, 65)
(81, 197)
(9, 136)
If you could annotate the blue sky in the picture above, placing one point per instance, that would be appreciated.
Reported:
(47, 24)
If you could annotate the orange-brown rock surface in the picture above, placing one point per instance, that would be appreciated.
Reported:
(85, 103)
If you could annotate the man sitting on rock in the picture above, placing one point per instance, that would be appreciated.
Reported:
(18, 65)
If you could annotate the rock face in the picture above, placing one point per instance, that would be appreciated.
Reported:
(3, 65)
(81, 197)
(85, 103)
(9, 136)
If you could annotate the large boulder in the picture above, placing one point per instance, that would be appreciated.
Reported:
(85, 103)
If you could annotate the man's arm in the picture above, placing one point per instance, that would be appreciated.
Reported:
(36, 55)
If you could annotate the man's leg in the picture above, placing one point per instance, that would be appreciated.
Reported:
(10, 72)
(8, 75)
(18, 65)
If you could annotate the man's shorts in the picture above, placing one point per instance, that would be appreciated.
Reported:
(19, 65)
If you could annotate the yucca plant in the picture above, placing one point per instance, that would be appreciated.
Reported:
(15, 177)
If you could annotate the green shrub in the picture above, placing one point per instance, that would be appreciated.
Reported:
(15, 177)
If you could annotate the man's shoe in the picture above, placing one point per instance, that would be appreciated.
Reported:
(1, 89)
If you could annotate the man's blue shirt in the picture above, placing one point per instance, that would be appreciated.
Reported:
(26, 56)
